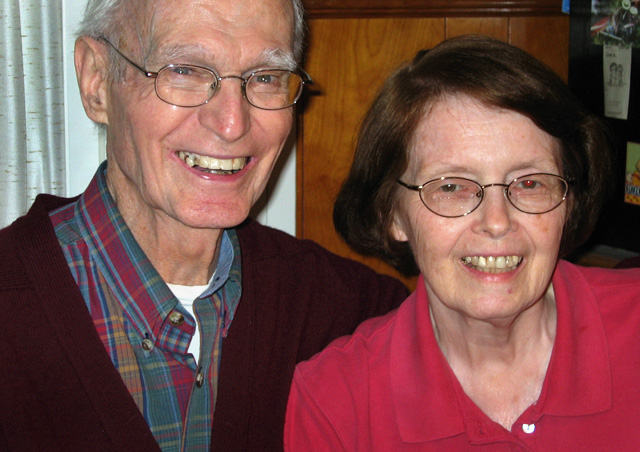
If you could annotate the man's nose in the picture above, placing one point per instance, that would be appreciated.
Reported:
(227, 113)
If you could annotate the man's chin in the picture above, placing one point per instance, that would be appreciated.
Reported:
(214, 220)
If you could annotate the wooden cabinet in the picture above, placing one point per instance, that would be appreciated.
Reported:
(354, 46)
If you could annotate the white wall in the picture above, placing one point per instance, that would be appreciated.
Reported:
(85, 145)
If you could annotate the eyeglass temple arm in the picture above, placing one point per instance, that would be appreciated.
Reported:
(306, 78)
(140, 68)
(410, 187)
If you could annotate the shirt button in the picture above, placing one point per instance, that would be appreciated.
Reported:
(147, 345)
(528, 428)
(176, 318)
(199, 379)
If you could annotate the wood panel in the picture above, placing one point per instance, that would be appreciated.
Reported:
(497, 27)
(349, 67)
(349, 58)
(431, 8)
(546, 38)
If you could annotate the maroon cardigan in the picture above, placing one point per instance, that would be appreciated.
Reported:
(60, 391)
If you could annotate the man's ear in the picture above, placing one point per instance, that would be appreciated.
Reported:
(91, 62)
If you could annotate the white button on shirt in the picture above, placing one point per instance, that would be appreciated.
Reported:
(528, 428)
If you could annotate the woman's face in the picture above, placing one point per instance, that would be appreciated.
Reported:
(461, 137)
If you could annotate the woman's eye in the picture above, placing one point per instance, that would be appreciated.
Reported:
(529, 184)
(450, 188)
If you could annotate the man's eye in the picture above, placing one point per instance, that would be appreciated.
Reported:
(181, 70)
(267, 79)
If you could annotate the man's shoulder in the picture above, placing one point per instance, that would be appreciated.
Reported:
(12, 274)
(274, 259)
(263, 243)
(25, 239)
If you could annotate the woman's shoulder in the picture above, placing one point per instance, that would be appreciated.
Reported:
(615, 288)
(352, 354)
(631, 262)
(367, 339)
(599, 276)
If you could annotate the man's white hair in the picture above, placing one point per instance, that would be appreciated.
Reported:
(105, 19)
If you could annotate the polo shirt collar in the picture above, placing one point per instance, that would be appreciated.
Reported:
(578, 380)
(579, 375)
(420, 376)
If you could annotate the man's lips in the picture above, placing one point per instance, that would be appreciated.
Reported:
(211, 164)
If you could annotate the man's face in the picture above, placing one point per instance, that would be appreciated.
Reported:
(151, 145)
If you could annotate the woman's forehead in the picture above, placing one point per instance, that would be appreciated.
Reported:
(459, 132)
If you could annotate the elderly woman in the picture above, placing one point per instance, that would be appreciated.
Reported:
(476, 164)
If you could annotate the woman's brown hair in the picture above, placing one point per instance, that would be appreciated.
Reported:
(498, 75)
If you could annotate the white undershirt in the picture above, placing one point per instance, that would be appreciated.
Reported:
(187, 295)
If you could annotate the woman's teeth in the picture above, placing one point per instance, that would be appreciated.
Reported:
(211, 164)
(493, 264)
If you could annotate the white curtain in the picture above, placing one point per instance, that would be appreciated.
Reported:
(32, 152)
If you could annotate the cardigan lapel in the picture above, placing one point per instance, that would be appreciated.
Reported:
(71, 327)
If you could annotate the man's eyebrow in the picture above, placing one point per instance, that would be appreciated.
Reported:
(278, 58)
(177, 52)
(197, 54)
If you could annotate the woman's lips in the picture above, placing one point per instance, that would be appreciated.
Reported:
(493, 264)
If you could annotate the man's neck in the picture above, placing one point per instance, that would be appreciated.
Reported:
(181, 254)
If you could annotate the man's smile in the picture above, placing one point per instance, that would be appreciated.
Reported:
(212, 164)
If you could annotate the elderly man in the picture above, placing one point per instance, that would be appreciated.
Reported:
(148, 314)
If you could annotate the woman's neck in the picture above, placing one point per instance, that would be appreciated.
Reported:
(501, 366)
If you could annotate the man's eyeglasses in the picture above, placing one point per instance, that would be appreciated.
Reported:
(456, 196)
(186, 85)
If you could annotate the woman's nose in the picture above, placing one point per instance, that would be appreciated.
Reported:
(494, 214)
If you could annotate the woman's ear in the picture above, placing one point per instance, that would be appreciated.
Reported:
(91, 61)
(398, 229)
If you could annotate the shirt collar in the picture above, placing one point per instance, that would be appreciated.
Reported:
(144, 297)
(420, 372)
(578, 380)
(225, 260)
(579, 376)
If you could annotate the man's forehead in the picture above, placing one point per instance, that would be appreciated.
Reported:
(150, 12)
(171, 26)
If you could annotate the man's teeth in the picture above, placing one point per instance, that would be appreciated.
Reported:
(211, 164)
(493, 264)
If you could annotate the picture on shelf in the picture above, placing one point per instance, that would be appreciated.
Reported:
(632, 179)
(615, 22)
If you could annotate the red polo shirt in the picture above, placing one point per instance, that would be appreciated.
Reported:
(389, 388)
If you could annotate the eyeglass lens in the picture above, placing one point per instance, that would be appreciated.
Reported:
(533, 193)
(190, 86)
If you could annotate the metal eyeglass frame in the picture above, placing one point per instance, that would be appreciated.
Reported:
(480, 193)
(305, 78)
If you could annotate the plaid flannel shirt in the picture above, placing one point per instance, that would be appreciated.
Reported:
(143, 327)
